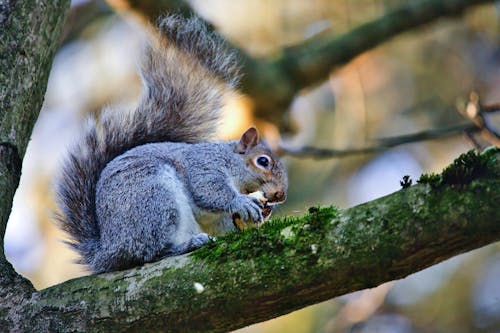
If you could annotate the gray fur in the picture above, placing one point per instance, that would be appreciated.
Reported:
(142, 184)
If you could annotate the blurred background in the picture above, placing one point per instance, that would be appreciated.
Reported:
(414, 82)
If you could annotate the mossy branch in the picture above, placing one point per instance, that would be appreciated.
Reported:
(249, 277)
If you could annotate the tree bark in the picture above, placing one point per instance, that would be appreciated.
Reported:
(29, 33)
(10, 171)
(287, 264)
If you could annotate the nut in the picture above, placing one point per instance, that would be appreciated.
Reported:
(266, 212)
(258, 195)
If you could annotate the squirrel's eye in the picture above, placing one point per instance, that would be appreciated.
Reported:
(263, 161)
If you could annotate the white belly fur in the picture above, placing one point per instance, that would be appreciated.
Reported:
(187, 225)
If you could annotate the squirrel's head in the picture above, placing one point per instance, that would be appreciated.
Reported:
(265, 172)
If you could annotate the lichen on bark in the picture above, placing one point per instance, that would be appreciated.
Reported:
(28, 39)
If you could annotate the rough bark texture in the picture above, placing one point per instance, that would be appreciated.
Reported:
(10, 170)
(29, 31)
(285, 265)
(29, 34)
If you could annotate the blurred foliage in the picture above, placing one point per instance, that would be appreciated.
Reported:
(411, 83)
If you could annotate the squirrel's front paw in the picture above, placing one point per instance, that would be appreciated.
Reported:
(247, 209)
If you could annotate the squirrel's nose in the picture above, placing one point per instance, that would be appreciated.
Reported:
(278, 196)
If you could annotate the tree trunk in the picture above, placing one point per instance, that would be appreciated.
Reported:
(29, 34)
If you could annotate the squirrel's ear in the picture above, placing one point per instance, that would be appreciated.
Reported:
(248, 140)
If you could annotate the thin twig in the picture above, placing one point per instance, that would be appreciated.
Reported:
(472, 139)
(385, 143)
(475, 112)
(492, 108)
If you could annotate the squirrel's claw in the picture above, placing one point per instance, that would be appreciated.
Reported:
(246, 208)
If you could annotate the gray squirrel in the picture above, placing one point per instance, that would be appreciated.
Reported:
(147, 183)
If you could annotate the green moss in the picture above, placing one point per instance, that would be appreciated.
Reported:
(430, 178)
(467, 167)
(277, 235)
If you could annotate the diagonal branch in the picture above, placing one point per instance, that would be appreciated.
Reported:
(285, 265)
(272, 83)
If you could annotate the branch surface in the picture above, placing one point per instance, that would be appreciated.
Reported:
(249, 277)
(29, 31)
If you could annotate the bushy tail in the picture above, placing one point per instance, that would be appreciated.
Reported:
(186, 73)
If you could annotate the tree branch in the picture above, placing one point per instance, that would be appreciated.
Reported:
(242, 278)
(385, 143)
(273, 83)
(477, 114)
(81, 16)
(474, 112)
(248, 277)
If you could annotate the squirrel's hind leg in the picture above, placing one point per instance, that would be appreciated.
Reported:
(144, 214)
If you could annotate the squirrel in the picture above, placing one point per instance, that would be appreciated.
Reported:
(147, 183)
